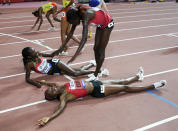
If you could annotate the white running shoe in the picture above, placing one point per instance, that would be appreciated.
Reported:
(162, 83)
(93, 62)
(104, 72)
(140, 74)
(91, 77)
(63, 53)
(51, 28)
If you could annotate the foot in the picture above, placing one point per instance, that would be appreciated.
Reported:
(93, 62)
(51, 28)
(91, 77)
(157, 85)
(140, 74)
(104, 72)
(63, 53)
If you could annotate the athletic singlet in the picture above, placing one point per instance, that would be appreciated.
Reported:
(65, 3)
(43, 66)
(76, 88)
(101, 19)
(49, 6)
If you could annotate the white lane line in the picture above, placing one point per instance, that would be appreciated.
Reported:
(22, 106)
(35, 42)
(42, 101)
(17, 21)
(112, 57)
(8, 27)
(131, 16)
(136, 38)
(145, 27)
(147, 11)
(15, 17)
(113, 17)
(110, 13)
(157, 123)
(144, 8)
(163, 72)
(124, 22)
(94, 33)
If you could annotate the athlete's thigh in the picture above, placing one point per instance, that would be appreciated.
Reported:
(105, 37)
(65, 68)
(112, 81)
(98, 37)
(113, 89)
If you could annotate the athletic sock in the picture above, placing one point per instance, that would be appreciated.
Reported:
(140, 74)
(157, 85)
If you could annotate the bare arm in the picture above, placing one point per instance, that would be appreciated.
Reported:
(90, 14)
(27, 76)
(51, 84)
(37, 20)
(40, 17)
(62, 105)
(103, 5)
(67, 39)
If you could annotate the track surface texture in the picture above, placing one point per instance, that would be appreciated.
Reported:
(145, 34)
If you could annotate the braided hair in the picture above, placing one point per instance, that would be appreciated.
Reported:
(36, 13)
(26, 53)
(72, 14)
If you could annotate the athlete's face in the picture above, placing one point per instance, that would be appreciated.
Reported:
(52, 93)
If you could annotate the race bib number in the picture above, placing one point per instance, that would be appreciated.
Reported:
(77, 85)
(111, 24)
(63, 14)
(55, 60)
(102, 88)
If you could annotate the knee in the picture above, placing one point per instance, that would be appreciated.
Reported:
(127, 88)
(75, 74)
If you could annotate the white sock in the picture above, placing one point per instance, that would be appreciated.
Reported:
(63, 53)
(157, 85)
(140, 74)
(91, 77)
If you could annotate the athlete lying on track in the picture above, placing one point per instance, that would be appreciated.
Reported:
(47, 9)
(34, 61)
(99, 89)
(104, 24)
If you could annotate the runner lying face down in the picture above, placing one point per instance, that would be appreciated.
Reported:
(104, 25)
(34, 61)
(99, 89)
(47, 9)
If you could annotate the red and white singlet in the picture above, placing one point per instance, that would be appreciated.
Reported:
(76, 88)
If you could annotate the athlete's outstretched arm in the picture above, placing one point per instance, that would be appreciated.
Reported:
(63, 101)
(69, 36)
(27, 76)
(40, 17)
(51, 84)
(37, 20)
(90, 14)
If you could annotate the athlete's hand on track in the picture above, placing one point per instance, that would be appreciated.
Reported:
(43, 121)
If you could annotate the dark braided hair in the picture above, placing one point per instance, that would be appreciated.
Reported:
(26, 53)
(72, 14)
(36, 13)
